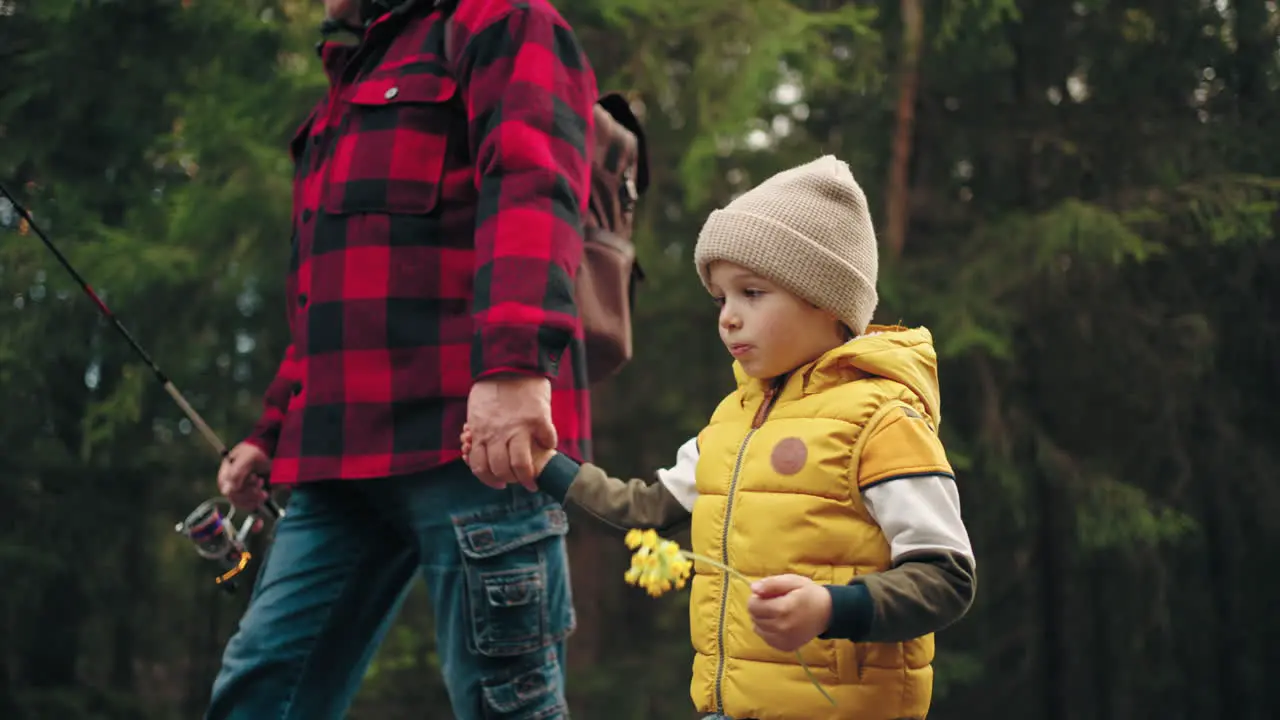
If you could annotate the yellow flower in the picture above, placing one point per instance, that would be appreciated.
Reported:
(642, 538)
(657, 565)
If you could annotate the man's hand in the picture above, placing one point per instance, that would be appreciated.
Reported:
(541, 456)
(509, 417)
(789, 610)
(240, 476)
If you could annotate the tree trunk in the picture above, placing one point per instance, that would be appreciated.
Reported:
(586, 545)
(136, 560)
(896, 210)
(1052, 616)
(1254, 43)
(8, 703)
(53, 642)
(1222, 540)
(205, 645)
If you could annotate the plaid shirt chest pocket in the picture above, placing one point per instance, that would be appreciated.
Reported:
(389, 155)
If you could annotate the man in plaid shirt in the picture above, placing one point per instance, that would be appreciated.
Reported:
(437, 220)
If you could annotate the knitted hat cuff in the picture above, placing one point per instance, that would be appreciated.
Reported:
(780, 254)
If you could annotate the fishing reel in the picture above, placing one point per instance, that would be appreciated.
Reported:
(211, 527)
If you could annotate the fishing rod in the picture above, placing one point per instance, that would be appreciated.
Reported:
(210, 526)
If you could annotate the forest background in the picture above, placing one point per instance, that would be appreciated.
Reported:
(1078, 198)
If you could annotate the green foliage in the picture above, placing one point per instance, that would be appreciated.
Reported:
(1094, 194)
(122, 406)
(967, 17)
(952, 669)
(714, 84)
(1117, 517)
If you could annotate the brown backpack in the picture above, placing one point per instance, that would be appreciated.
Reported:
(610, 274)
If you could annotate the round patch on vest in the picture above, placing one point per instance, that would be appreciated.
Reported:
(789, 456)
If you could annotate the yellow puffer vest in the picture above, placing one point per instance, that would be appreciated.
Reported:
(777, 484)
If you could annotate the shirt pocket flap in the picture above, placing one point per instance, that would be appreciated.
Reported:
(389, 156)
(396, 89)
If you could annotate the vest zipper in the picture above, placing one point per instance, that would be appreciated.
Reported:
(766, 405)
(859, 649)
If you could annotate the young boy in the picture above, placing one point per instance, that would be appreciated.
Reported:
(821, 477)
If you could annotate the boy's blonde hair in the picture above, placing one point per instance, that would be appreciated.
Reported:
(807, 229)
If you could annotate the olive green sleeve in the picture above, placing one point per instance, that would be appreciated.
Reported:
(933, 577)
(926, 591)
(620, 504)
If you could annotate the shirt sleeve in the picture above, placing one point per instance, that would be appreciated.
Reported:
(626, 504)
(681, 479)
(266, 432)
(529, 92)
(920, 514)
(909, 489)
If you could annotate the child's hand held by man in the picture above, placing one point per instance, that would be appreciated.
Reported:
(789, 610)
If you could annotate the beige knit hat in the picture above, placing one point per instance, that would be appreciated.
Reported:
(807, 229)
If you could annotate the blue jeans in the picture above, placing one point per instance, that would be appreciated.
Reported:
(341, 564)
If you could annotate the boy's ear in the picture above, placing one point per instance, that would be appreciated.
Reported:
(845, 331)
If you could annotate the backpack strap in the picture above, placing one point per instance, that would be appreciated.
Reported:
(605, 285)
(446, 8)
(617, 106)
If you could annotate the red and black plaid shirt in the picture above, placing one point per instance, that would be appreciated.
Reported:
(437, 222)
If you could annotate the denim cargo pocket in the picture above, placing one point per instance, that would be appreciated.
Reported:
(517, 578)
(389, 155)
(529, 691)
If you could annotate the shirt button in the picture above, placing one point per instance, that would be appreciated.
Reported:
(391, 93)
(302, 300)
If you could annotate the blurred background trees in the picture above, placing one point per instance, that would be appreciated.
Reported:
(1079, 199)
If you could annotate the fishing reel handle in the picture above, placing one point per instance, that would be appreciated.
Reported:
(211, 527)
(269, 510)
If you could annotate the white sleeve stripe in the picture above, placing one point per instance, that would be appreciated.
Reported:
(919, 513)
(681, 479)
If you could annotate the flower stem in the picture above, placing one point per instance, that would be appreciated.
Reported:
(713, 563)
(814, 680)
(745, 579)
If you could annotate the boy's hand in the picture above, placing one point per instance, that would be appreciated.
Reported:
(789, 610)
(540, 456)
